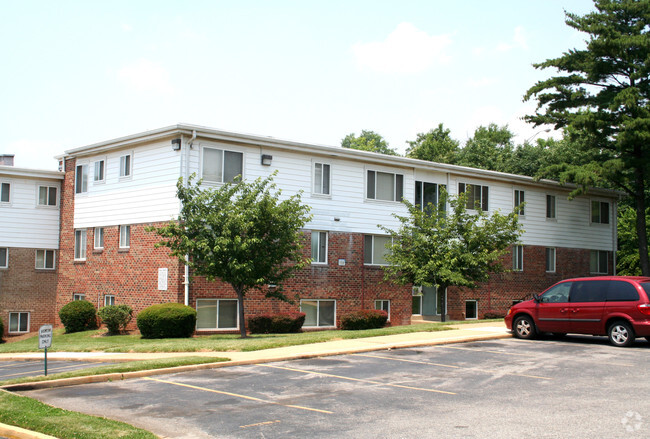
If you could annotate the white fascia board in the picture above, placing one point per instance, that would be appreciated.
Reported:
(30, 173)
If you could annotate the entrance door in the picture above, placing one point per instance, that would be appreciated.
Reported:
(429, 301)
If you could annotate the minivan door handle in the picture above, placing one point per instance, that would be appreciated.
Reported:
(575, 310)
(564, 309)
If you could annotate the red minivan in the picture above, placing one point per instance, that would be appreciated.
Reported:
(616, 306)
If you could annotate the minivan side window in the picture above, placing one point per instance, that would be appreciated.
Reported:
(589, 291)
(620, 291)
(557, 294)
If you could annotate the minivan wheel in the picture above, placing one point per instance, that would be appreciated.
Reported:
(524, 327)
(621, 334)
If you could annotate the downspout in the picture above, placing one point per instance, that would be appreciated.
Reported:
(614, 235)
(186, 275)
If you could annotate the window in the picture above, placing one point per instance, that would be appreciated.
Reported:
(125, 166)
(477, 195)
(221, 166)
(125, 236)
(550, 260)
(100, 169)
(81, 179)
(216, 314)
(18, 322)
(623, 291)
(600, 212)
(375, 251)
(321, 178)
(5, 189)
(99, 237)
(550, 207)
(520, 199)
(78, 296)
(557, 294)
(385, 186)
(428, 194)
(80, 245)
(598, 262)
(589, 291)
(518, 258)
(319, 312)
(471, 310)
(383, 305)
(319, 247)
(45, 259)
(4, 257)
(47, 195)
(109, 300)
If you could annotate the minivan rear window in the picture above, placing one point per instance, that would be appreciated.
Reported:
(646, 288)
(620, 291)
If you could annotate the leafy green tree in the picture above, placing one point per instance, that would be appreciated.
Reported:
(489, 148)
(367, 141)
(241, 233)
(602, 94)
(433, 247)
(436, 145)
(627, 256)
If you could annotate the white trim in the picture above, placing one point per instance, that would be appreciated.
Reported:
(123, 165)
(11, 194)
(476, 307)
(19, 320)
(126, 227)
(47, 200)
(546, 267)
(315, 262)
(315, 162)
(45, 267)
(318, 301)
(5, 264)
(217, 300)
(82, 246)
(95, 162)
(383, 300)
(95, 235)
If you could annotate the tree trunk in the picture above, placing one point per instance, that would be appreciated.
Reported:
(641, 231)
(242, 319)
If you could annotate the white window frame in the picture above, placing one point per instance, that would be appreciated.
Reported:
(45, 253)
(471, 202)
(223, 163)
(475, 307)
(126, 166)
(80, 243)
(319, 234)
(48, 196)
(517, 258)
(519, 198)
(98, 238)
(318, 185)
(550, 268)
(398, 186)
(5, 184)
(125, 235)
(318, 302)
(420, 184)
(109, 299)
(381, 302)
(20, 314)
(218, 300)
(551, 198)
(372, 249)
(599, 220)
(4, 262)
(99, 165)
(597, 254)
(78, 296)
(81, 186)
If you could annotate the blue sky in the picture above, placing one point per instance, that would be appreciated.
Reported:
(79, 72)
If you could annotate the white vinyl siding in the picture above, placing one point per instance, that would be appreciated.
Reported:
(216, 314)
(318, 247)
(319, 312)
(80, 237)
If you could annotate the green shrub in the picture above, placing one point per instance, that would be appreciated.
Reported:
(78, 315)
(167, 320)
(281, 323)
(115, 317)
(364, 319)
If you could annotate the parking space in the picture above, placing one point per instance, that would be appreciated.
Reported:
(578, 387)
(32, 368)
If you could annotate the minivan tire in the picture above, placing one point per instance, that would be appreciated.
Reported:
(620, 334)
(524, 328)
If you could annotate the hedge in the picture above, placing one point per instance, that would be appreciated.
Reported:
(280, 323)
(115, 317)
(167, 320)
(364, 319)
(78, 315)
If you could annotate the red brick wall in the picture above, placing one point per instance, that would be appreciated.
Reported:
(23, 288)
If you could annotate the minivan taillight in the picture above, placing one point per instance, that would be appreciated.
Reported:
(644, 308)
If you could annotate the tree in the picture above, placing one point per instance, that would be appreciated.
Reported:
(602, 94)
(489, 148)
(434, 146)
(433, 247)
(240, 233)
(367, 141)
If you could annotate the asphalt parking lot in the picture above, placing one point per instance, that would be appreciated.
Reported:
(578, 387)
(31, 368)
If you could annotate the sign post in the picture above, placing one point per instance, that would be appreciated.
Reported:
(45, 341)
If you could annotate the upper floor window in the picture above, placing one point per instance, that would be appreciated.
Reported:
(221, 166)
(385, 186)
(322, 178)
(428, 194)
(100, 171)
(477, 195)
(319, 247)
(99, 238)
(550, 207)
(600, 212)
(520, 198)
(45, 259)
(518, 258)
(5, 190)
(375, 250)
(598, 262)
(80, 245)
(125, 236)
(81, 179)
(47, 195)
(4, 257)
(125, 165)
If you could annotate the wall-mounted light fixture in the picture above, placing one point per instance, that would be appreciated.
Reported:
(176, 144)
(266, 159)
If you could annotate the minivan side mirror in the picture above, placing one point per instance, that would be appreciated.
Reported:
(537, 298)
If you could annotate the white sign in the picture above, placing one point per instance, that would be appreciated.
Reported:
(45, 336)
(162, 279)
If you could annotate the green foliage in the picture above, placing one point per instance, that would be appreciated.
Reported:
(240, 233)
(455, 248)
(434, 146)
(78, 315)
(627, 256)
(281, 323)
(601, 94)
(167, 320)
(115, 317)
(490, 148)
(367, 141)
(364, 319)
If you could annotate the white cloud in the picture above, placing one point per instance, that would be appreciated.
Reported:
(146, 76)
(405, 50)
(518, 41)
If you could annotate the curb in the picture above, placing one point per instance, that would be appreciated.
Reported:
(20, 433)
